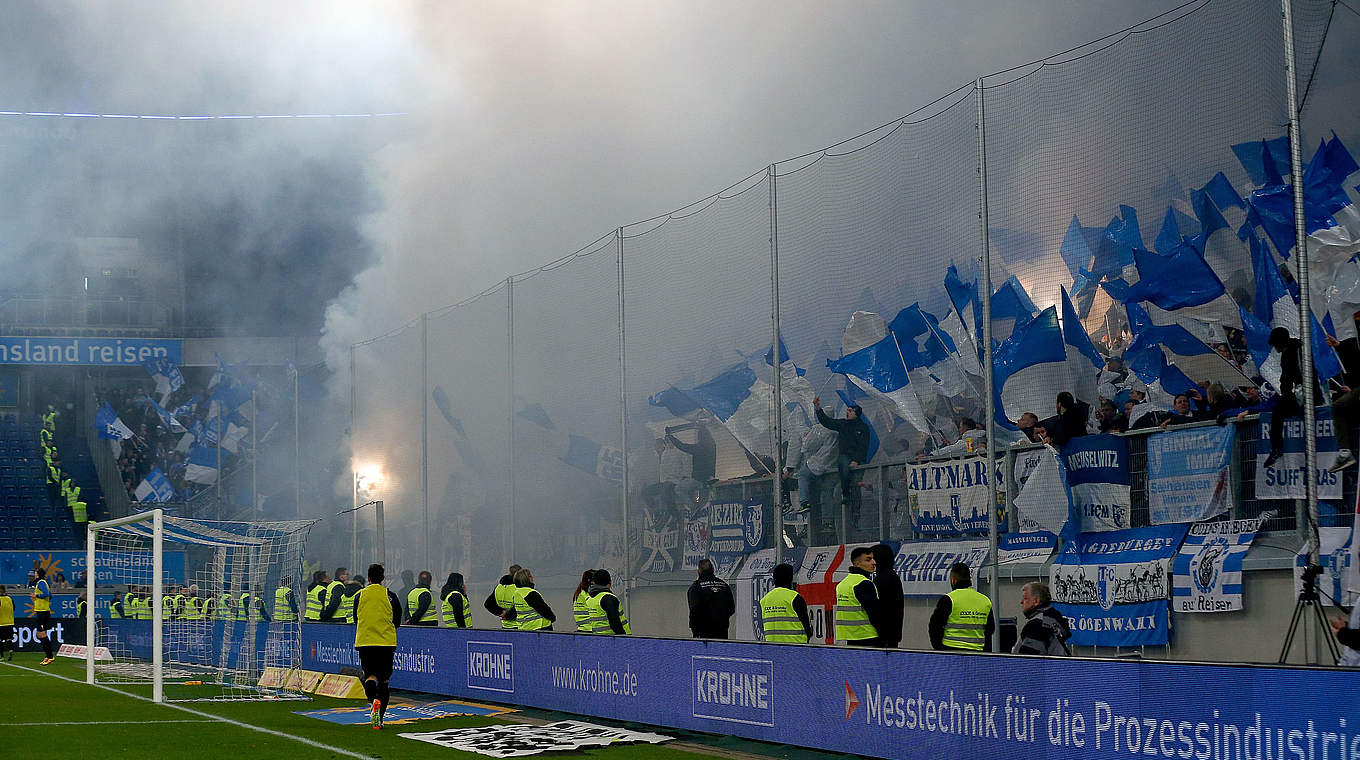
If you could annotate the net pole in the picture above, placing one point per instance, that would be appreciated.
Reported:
(1310, 516)
(354, 473)
(425, 435)
(90, 534)
(778, 355)
(987, 341)
(510, 409)
(297, 447)
(157, 599)
(254, 457)
(623, 413)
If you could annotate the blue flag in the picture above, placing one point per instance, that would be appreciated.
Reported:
(109, 426)
(1182, 278)
(155, 487)
(1033, 358)
(878, 370)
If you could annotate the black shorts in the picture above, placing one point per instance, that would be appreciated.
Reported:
(6, 635)
(377, 661)
(44, 618)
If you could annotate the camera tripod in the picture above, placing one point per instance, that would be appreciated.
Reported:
(1308, 598)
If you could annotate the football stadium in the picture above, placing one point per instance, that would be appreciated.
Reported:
(1020, 424)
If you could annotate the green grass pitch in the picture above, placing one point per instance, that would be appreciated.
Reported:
(44, 716)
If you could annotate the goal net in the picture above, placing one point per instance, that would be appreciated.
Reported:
(200, 610)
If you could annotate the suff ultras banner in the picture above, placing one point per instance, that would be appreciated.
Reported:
(893, 704)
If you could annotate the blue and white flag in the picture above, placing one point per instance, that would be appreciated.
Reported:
(740, 400)
(1044, 503)
(1030, 368)
(594, 458)
(1284, 478)
(1113, 587)
(155, 487)
(109, 426)
(879, 370)
(929, 352)
(186, 409)
(166, 374)
(202, 465)
(1084, 362)
(1012, 308)
(1097, 472)
(1188, 474)
(1208, 569)
(167, 419)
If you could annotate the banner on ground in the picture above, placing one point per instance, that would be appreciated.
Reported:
(1098, 478)
(1208, 568)
(111, 568)
(879, 703)
(1113, 586)
(399, 713)
(734, 528)
(1335, 558)
(923, 566)
(1188, 474)
(949, 498)
(1284, 479)
(524, 740)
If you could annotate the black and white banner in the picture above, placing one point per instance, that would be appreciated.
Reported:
(523, 740)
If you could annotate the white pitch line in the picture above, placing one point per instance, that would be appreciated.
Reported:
(105, 722)
(209, 716)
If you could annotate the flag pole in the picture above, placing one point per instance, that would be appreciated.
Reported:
(623, 416)
(1310, 519)
(988, 380)
(777, 353)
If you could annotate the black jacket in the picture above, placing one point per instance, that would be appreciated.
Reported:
(612, 608)
(854, 435)
(1045, 632)
(711, 606)
(490, 603)
(1068, 425)
(890, 600)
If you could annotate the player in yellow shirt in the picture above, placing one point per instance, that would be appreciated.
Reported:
(377, 614)
(42, 613)
(6, 623)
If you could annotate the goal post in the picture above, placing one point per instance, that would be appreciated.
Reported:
(157, 519)
(197, 609)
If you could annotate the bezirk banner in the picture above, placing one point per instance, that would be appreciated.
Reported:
(882, 703)
(1113, 587)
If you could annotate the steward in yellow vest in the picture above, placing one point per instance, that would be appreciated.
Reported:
(530, 611)
(857, 602)
(501, 601)
(349, 603)
(316, 596)
(783, 612)
(335, 591)
(420, 602)
(962, 619)
(193, 606)
(377, 615)
(285, 605)
(580, 612)
(457, 610)
(605, 614)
